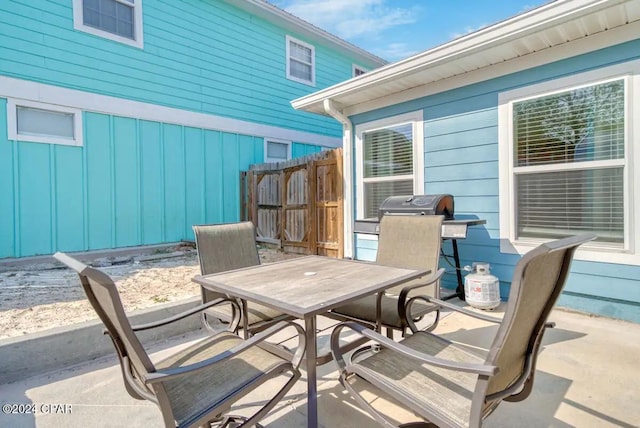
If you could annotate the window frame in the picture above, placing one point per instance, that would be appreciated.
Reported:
(594, 251)
(12, 123)
(276, 140)
(289, 40)
(416, 119)
(138, 41)
(355, 67)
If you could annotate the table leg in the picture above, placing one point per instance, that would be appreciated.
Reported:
(312, 387)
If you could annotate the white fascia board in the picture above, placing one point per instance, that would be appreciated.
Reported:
(87, 101)
(577, 47)
(291, 22)
(549, 15)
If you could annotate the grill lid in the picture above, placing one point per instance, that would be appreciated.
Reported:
(418, 205)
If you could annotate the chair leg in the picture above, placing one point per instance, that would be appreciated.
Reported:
(390, 333)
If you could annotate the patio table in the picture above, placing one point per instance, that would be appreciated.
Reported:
(304, 288)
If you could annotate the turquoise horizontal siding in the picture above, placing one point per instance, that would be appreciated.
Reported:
(135, 182)
(198, 55)
(461, 158)
(365, 249)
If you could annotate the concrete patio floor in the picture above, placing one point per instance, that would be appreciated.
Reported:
(587, 376)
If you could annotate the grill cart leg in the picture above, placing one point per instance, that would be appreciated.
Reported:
(460, 288)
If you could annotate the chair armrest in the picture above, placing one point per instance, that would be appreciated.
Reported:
(430, 280)
(185, 314)
(480, 369)
(447, 305)
(173, 373)
(402, 299)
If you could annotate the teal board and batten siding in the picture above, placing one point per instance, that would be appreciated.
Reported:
(135, 182)
(299, 150)
(198, 56)
(461, 158)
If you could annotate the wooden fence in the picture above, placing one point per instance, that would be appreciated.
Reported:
(297, 204)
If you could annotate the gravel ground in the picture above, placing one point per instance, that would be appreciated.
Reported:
(42, 296)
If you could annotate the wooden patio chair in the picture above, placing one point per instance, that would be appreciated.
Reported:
(198, 385)
(443, 383)
(224, 247)
(405, 241)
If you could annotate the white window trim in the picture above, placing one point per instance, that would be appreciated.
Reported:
(78, 24)
(598, 252)
(416, 118)
(311, 82)
(355, 67)
(275, 140)
(12, 123)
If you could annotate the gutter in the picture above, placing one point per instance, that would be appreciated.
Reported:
(347, 174)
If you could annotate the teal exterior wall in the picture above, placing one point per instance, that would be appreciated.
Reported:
(137, 181)
(301, 149)
(199, 55)
(461, 158)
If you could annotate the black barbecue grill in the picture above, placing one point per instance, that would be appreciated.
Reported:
(418, 205)
(442, 204)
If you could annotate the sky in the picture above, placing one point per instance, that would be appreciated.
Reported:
(396, 29)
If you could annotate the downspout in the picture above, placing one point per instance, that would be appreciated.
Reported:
(347, 173)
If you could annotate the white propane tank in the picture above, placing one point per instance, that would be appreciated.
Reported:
(481, 289)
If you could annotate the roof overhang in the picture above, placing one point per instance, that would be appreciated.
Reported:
(299, 26)
(554, 31)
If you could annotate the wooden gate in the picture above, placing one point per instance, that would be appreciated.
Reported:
(328, 208)
(297, 204)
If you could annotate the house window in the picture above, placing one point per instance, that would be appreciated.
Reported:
(301, 62)
(119, 20)
(569, 168)
(43, 123)
(390, 161)
(358, 71)
(277, 150)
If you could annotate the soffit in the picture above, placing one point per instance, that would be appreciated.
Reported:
(541, 29)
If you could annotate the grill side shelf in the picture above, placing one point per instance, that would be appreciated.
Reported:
(451, 229)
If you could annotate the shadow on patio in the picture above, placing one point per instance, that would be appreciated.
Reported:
(587, 376)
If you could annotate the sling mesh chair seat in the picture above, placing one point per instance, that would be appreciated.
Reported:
(440, 381)
(199, 384)
(224, 247)
(405, 241)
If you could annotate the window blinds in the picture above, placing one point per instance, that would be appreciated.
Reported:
(300, 61)
(584, 124)
(388, 152)
(388, 165)
(377, 192)
(556, 204)
(569, 163)
(113, 16)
